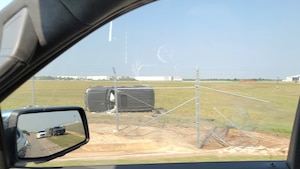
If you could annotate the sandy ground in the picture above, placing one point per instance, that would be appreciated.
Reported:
(105, 144)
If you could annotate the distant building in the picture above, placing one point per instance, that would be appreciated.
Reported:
(138, 78)
(69, 77)
(295, 78)
(85, 77)
(98, 77)
(158, 78)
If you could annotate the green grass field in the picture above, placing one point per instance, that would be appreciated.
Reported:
(276, 115)
(75, 128)
(67, 140)
(154, 160)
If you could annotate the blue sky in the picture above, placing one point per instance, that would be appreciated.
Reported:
(47, 120)
(3, 3)
(224, 38)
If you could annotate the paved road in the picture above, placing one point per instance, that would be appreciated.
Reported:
(41, 147)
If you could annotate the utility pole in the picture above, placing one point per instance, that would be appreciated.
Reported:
(116, 100)
(277, 84)
(197, 93)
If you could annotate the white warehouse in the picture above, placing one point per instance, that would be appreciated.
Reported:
(158, 78)
(295, 78)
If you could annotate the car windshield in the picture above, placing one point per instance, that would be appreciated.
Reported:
(179, 81)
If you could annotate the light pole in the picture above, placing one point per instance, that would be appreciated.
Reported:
(116, 100)
(197, 108)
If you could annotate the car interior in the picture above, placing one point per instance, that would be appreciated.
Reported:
(34, 33)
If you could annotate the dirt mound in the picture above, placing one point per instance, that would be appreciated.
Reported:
(152, 141)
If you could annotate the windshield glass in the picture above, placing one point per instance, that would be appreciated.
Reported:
(178, 81)
(4, 3)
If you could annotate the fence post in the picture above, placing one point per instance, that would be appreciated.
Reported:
(197, 93)
(116, 100)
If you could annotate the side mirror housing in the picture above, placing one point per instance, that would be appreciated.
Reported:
(42, 134)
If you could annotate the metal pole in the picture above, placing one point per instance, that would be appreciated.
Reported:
(33, 90)
(197, 108)
(277, 84)
(116, 100)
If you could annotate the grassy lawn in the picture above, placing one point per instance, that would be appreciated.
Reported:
(66, 140)
(156, 160)
(77, 128)
(239, 104)
(276, 115)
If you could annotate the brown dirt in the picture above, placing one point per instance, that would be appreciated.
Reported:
(147, 142)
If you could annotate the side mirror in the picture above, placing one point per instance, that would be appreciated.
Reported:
(42, 134)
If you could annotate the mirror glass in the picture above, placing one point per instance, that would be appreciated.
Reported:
(46, 133)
